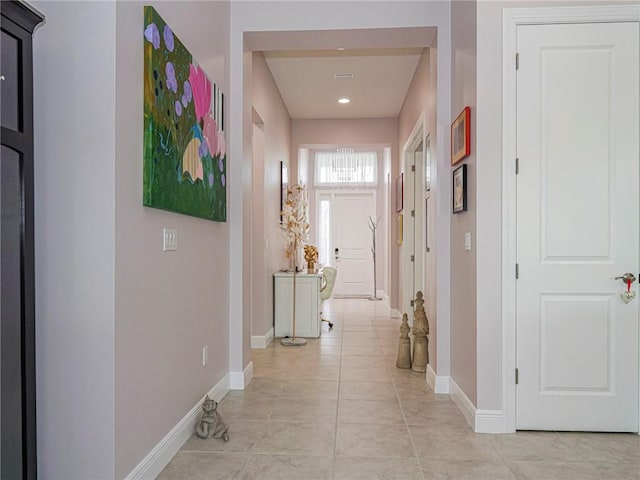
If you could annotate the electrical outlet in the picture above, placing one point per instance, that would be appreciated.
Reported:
(205, 355)
(467, 241)
(169, 239)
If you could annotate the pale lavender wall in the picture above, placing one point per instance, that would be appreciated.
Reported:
(268, 246)
(74, 96)
(240, 353)
(463, 263)
(168, 305)
(367, 131)
(104, 248)
(420, 102)
(258, 265)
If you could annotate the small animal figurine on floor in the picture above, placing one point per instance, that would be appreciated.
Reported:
(211, 424)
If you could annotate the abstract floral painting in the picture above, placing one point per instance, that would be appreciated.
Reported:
(184, 142)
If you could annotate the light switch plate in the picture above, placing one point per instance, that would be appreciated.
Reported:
(467, 241)
(169, 239)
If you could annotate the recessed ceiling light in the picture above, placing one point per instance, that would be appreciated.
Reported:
(343, 100)
(340, 49)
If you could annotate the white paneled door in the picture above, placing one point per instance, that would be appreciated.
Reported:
(577, 228)
(351, 242)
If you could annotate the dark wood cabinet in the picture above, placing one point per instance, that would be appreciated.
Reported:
(17, 303)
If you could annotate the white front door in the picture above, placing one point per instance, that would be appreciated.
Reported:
(350, 240)
(578, 226)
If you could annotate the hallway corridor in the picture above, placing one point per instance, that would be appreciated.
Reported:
(338, 408)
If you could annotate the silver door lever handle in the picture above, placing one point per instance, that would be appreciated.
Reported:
(627, 278)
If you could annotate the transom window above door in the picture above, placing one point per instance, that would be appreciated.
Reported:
(346, 167)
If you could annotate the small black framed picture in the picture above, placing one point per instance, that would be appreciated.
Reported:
(460, 189)
(284, 185)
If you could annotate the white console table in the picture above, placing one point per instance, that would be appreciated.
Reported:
(307, 304)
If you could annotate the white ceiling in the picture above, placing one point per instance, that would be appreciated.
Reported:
(303, 64)
(380, 81)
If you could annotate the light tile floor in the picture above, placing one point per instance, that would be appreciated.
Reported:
(338, 408)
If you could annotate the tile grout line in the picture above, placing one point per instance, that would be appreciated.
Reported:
(503, 460)
(406, 424)
(251, 451)
(281, 395)
(335, 430)
(246, 464)
(282, 370)
(342, 355)
(388, 369)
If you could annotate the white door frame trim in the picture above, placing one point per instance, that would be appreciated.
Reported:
(512, 18)
(417, 137)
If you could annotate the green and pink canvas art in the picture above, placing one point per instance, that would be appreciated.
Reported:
(184, 142)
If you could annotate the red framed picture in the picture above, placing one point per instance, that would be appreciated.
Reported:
(400, 193)
(461, 136)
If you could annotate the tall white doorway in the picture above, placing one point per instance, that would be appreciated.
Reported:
(344, 239)
(413, 220)
(577, 226)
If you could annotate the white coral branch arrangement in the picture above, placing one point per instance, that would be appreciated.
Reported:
(296, 229)
(295, 223)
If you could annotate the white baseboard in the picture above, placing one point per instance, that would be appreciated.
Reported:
(431, 378)
(442, 385)
(490, 421)
(262, 341)
(482, 421)
(395, 313)
(465, 405)
(239, 380)
(439, 384)
(158, 458)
